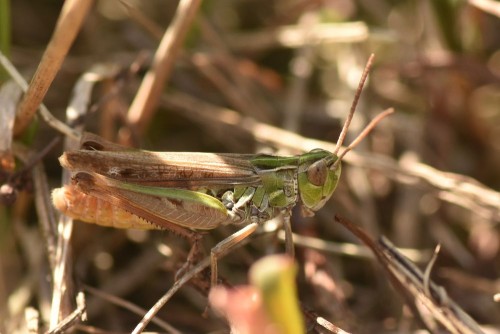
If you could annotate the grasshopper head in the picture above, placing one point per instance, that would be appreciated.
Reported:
(319, 170)
(317, 177)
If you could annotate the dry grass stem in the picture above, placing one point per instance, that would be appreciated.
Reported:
(69, 24)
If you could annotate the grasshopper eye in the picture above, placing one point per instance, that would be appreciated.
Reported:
(317, 173)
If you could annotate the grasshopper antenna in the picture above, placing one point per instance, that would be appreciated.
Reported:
(363, 134)
(347, 122)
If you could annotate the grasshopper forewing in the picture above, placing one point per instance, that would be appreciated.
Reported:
(184, 192)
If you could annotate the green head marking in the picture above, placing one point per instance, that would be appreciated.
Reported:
(317, 179)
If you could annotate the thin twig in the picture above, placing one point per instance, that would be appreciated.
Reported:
(230, 64)
(131, 307)
(233, 93)
(146, 100)
(74, 317)
(44, 112)
(166, 297)
(143, 20)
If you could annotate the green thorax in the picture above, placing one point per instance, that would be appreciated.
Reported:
(286, 180)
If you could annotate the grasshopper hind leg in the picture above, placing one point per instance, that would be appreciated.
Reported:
(193, 256)
(226, 245)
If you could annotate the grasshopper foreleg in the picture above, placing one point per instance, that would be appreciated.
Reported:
(237, 210)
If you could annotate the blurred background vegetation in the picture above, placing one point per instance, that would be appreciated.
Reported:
(294, 65)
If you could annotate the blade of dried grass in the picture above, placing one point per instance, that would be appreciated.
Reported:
(293, 36)
(350, 249)
(143, 107)
(9, 96)
(416, 288)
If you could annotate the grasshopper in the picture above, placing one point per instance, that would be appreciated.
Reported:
(185, 192)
